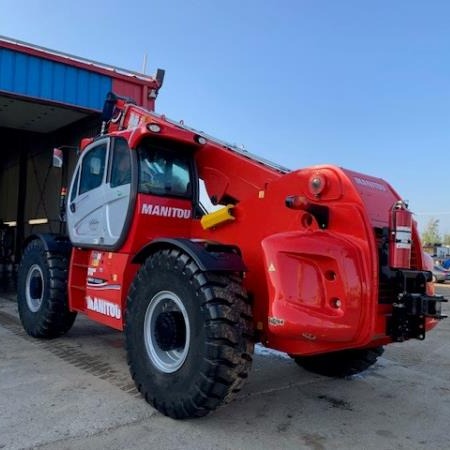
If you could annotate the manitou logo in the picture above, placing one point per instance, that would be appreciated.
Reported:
(103, 307)
(165, 211)
(370, 184)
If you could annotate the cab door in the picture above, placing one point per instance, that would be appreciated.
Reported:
(85, 213)
(119, 192)
(100, 195)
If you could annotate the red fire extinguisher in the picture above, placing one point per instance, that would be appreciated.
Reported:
(400, 241)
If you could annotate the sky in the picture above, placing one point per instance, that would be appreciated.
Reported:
(361, 84)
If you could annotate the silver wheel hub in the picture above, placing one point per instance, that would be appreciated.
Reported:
(34, 288)
(166, 331)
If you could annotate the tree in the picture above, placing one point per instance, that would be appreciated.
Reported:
(446, 239)
(431, 234)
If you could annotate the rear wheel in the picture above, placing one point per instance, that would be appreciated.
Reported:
(341, 364)
(188, 335)
(42, 292)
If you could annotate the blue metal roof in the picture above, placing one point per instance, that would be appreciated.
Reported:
(31, 76)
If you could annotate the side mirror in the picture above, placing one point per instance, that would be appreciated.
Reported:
(57, 157)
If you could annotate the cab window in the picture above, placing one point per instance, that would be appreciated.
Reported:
(92, 169)
(121, 163)
(164, 172)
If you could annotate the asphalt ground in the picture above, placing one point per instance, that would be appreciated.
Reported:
(75, 392)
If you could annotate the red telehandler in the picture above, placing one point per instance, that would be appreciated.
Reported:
(322, 263)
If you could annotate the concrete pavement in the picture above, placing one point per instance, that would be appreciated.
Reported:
(75, 393)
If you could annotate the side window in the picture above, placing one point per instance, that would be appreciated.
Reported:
(121, 164)
(92, 169)
(180, 177)
(162, 172)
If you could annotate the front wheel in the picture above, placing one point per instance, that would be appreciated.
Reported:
(341, 364)
(189, 335)
(42, 292)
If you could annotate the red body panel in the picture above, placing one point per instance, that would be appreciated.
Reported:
(298, 272)
(106, 279)
(317, 299)
(156, 217)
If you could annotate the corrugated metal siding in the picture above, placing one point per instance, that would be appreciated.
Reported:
(127, 89)
(49, 80)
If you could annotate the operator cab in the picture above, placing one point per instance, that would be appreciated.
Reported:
(109, 179)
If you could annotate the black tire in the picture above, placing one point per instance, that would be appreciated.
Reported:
(189, 335)
(42, 292)
(341, 364)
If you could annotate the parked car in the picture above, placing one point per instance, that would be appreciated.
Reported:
(440, 274)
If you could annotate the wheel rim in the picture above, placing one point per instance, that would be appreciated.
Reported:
(167, 331)
(34, 288)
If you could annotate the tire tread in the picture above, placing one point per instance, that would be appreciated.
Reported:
(229, 328)
(341, 364)
(53, 318)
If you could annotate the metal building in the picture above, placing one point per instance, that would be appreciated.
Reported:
(49, 99)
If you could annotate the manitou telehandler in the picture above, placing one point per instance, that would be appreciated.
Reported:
(322, 263)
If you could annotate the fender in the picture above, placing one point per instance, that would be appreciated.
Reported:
(55, 243)
(209, 255)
